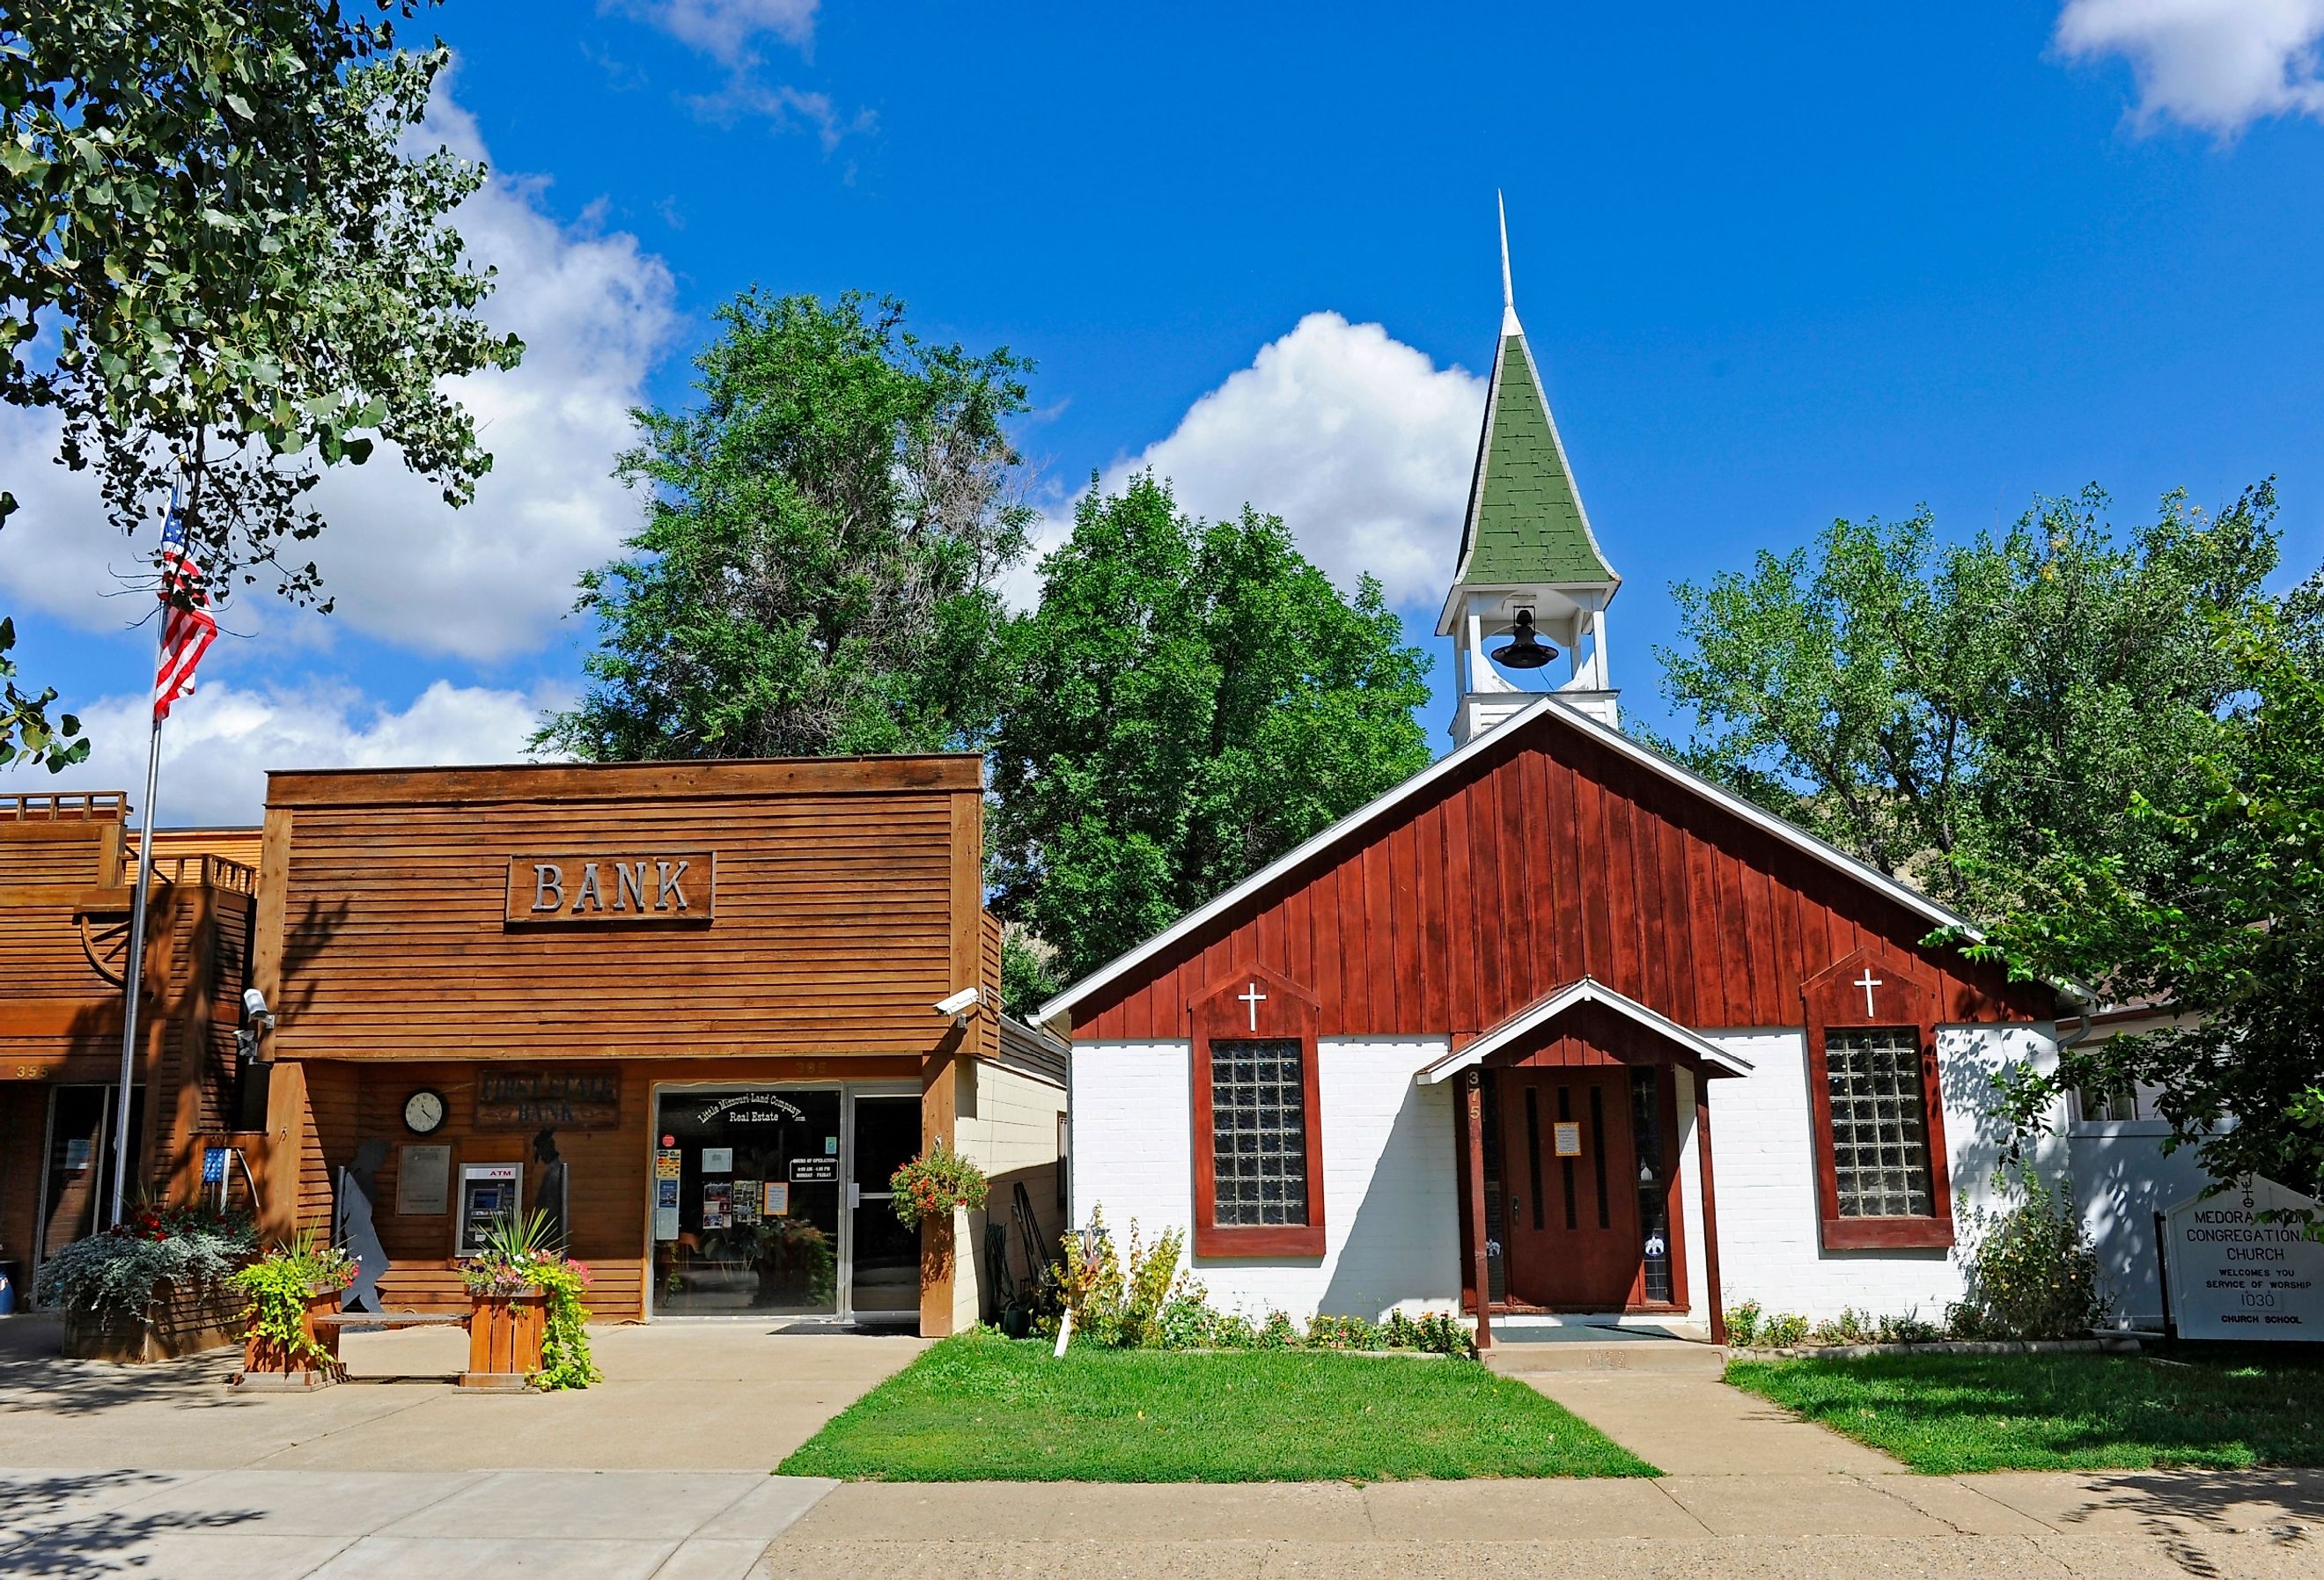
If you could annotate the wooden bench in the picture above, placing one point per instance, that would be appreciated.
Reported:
(339, 1319)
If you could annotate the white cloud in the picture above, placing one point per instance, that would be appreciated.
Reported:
(2217, 65)
(219, 743)
(1358, 441)
(594, 312)
(727, 30)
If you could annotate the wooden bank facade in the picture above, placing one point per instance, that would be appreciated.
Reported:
(689, 1010)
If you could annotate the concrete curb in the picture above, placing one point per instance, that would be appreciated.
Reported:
(2040, 1346)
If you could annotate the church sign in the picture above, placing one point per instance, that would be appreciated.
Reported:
(627, 886)
(2234, 1276)
(535, 1100)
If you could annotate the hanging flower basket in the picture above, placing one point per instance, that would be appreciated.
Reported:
(933, 1184)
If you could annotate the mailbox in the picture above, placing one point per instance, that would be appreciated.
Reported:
(489, 1192)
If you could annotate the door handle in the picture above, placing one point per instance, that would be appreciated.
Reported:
(855, 1194)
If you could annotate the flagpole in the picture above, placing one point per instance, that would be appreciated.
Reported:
(131, 975)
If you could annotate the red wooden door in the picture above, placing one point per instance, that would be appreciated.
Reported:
(1570, 1176)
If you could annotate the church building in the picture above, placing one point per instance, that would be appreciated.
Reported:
(1556, 1029)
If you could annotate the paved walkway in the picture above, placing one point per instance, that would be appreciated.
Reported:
(636, 1525)
(1697, 1425)
(707, 1396)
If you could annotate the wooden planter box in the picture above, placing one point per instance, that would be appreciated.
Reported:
(504, 1336)
(267, 1364)
(175, 1324)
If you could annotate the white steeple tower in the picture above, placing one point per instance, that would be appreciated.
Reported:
(1529, 564)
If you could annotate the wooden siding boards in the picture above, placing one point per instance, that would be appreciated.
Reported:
(1550, 859)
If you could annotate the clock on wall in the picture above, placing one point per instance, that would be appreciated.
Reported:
(424, 1111)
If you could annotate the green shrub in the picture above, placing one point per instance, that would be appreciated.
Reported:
(125, 1269)
(2031, 1273)
(1784, 1332)
(1114, 1303)
(1851, 1327)
(1743, 1320)
(1342, 1333)
(1909, 1329)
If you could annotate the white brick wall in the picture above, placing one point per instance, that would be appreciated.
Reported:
(1391, 1219)
(1764, 1164)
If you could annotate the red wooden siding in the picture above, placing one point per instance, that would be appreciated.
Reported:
(1549, 859)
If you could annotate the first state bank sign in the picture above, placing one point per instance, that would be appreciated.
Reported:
(632, 887)
(2235, 1276)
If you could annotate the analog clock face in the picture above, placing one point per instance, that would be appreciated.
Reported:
(424, 1111)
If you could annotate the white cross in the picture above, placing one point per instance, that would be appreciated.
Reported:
(1867, 981)
(1254, 998)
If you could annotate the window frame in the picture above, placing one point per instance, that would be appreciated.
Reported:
(1287, 1012)
(1905, 999)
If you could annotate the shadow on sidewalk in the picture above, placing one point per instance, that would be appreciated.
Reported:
(69, 1542)
(2175, 1507)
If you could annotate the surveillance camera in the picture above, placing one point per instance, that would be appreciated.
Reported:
(960, 1002)
(254, 1007)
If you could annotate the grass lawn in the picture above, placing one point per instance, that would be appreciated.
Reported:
(1941, 1414)
(978, 1408)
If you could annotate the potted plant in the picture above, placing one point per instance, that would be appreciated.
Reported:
(527, 1318)
(932, 1185)
(794, 1263)
(285, 1290)
(152, 1288)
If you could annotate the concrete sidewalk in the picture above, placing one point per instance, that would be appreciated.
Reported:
(293, 1525)
(1697, 1425)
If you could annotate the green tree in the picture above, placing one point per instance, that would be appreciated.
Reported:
(1192, 700)
(825, 532)
(221, 262)
(1951, 714)
(2224, 922)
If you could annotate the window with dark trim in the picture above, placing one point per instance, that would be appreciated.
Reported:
(1877, 1114)
(1258, 1153)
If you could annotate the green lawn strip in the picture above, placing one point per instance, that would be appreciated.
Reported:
(978, 1408)
(1945, 1414)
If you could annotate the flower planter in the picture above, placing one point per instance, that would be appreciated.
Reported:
(173, 1324)
(505, 1335)
(268, 1364)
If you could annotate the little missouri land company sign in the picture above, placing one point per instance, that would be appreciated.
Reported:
(2235, 1277)
(613, 886)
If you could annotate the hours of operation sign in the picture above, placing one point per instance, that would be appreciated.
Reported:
(2234, 1275)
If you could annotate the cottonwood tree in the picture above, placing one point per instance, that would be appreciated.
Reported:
(1190, 700)
(224, 264)
(2224, 921)
(824, 533)
(1954, 713)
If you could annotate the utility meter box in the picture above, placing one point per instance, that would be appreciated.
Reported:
(489, 1192)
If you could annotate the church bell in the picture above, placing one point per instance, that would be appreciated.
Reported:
(1526, 650)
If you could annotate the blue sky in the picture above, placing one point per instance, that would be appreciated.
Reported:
(1777, 266)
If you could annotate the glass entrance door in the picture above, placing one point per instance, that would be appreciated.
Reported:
(886, 1260)
(746, 1203)
(76, 1174)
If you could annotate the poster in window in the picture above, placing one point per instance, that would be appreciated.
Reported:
(668, 1162)
(717, 1204)
(665, 1223)
(666, 1194)
(775, 1200)
(746, 1202)
(718, 1160)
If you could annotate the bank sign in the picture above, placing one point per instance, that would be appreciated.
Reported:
(2236, 1276)
(593, 886)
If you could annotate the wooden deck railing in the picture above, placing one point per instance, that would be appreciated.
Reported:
(68, 806)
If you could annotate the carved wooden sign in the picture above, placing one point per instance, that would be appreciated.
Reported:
(551, 1099)
(593, 886)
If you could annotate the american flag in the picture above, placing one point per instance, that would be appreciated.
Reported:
(188, 626)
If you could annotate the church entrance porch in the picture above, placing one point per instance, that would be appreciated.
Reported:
(1585, 1188)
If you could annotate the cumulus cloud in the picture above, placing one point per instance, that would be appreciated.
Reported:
(1357, 440)
(595, 311)
(2217, 65)
(220, 743)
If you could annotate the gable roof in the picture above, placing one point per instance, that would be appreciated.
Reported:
(1547, 713)
(1571, 996)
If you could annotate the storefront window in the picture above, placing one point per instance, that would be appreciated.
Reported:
(747, 1187)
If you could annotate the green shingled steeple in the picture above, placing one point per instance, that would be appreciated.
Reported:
(1525, 523)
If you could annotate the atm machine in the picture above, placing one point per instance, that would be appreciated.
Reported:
(489, 1192)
